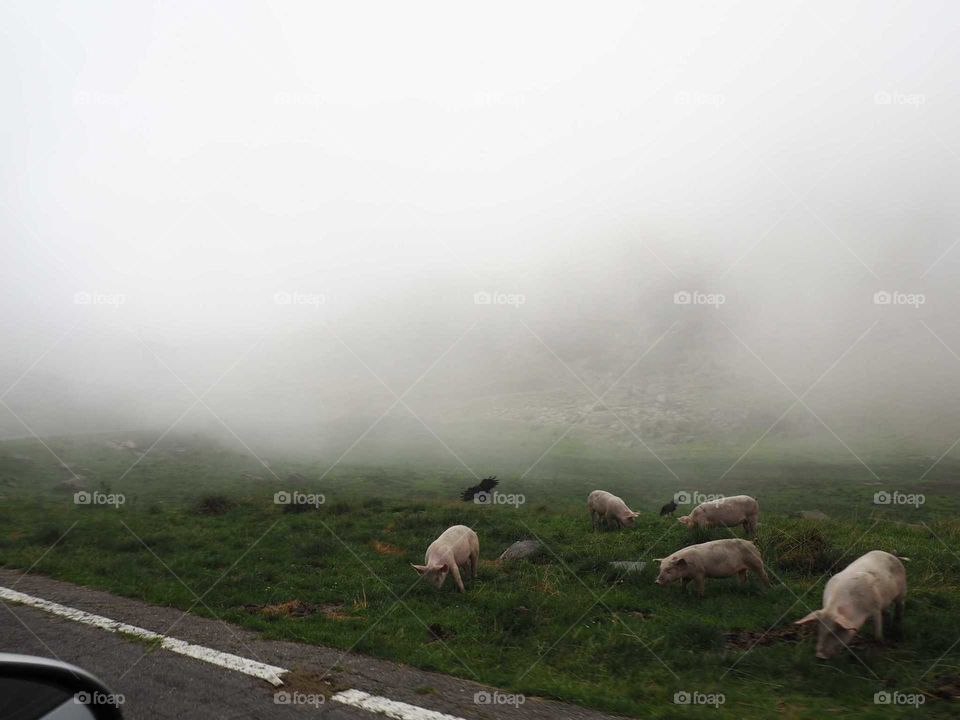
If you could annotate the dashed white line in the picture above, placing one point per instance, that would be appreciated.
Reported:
(270, 673)
(390, 708)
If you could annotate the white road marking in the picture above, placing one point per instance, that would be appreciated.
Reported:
(390, 708)
(270, 673)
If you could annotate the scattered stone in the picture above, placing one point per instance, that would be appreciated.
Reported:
(628, 566)
(523, 550)
(812, 515)
(73, 484)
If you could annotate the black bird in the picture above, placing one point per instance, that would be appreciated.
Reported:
(486, 485)
(669, 508)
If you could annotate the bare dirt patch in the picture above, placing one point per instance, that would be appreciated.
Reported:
(386, 549)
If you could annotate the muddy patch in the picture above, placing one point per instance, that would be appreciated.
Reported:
(436, 632)
(311, 682)
(386, 549)
(746, 639)
(946, 686)
(300, 608)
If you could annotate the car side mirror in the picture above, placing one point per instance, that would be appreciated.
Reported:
(34, 688)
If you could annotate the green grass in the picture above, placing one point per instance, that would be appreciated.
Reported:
(564, 627)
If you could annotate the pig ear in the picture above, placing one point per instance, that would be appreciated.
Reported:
(419, 568)
(657, 560)
(681, 563)
(843, 621)
(811, 617)
(634, 514)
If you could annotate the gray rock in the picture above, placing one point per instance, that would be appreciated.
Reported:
(812, 515)
(522, 550)
(627, 566)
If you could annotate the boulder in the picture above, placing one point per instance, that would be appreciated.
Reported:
(627, 566)
(523, 550)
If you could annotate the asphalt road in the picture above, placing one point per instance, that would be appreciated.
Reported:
(160, 684)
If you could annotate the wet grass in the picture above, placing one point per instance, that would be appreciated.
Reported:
(564, 627)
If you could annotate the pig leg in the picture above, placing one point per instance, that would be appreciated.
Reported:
(699, 581)
(683, 583)
(474, 562)
(898, 611)
(742, 574)
(878, 625)
(455, 571)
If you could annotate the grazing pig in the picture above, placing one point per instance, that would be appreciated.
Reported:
(714, 559)
(609, 509)
(869, 585)
(458, 546)
(737, 510)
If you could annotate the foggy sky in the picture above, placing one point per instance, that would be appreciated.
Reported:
(302, 200)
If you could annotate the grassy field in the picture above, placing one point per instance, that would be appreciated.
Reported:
(565, 626)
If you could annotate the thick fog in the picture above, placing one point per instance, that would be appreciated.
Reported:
(400, 227)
